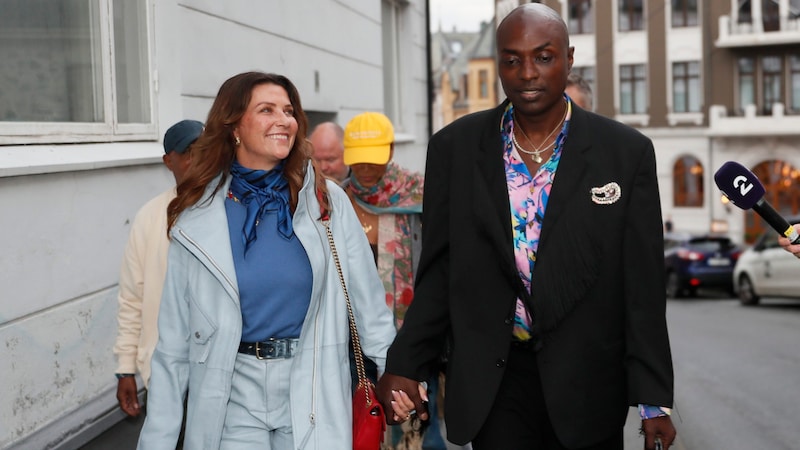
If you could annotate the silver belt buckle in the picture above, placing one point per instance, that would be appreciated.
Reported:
(275, 348)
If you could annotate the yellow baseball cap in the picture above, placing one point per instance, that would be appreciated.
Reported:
(368, 139)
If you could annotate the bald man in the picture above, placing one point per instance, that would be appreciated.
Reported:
(327, 139)
(542, 261)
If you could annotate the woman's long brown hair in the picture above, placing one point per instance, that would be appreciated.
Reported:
(215, 149)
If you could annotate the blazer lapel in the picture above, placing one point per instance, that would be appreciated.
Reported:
(490, 193)
(570, 171)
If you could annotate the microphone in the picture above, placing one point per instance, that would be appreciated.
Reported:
(744, 190)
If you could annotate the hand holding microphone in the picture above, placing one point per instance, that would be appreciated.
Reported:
(744, 190)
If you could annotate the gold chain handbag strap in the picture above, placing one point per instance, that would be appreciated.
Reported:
(360, 370)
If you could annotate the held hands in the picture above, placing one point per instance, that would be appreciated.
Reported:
(788, 246)
(126, 395)
(402, 396)
(658, 427)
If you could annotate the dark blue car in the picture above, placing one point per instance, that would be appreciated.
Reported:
(695, 261)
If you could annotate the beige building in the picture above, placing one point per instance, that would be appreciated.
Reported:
(464, 73)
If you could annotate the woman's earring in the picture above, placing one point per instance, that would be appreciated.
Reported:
(237, 141)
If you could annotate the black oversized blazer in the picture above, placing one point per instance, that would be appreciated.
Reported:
(597, 290)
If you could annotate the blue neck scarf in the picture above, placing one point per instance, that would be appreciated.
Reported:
(261, 191)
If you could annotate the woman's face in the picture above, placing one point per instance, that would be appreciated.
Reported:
(267, 129)
(368, 175)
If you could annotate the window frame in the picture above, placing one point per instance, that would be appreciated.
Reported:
(392, 14)
(483, 83)
(681, 175)
(627, 8)
(633, 80)
(109, 129)
(771, 80)
(685, 13)
(584, 23)
(686, 78)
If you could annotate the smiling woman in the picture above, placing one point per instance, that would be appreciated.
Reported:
(249, 272)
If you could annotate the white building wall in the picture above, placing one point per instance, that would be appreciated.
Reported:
(67, 208)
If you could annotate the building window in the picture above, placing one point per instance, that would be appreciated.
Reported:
(770, 15)
(581, 16)
(794, 80)
(587, 73)
(79, 69)
(686, 87)
(687, 181)
(631, 15)
(744, 14)
(684, 13)
(747, 82)
(392, 15)
(771, 67)
(483, 79)
(782, 183)
(632, 89)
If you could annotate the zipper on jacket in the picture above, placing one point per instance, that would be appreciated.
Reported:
(312, 415)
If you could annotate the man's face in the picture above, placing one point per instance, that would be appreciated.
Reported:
(328, 153)
(178, 163)
(534, 60)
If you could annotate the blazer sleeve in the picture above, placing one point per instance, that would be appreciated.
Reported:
(649, 362)
(420, 340)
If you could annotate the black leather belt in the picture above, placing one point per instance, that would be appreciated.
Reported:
(270, 349)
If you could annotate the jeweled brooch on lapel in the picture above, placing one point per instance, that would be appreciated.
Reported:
(607, 194)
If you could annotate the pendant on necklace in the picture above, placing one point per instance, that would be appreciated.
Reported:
(366, 228)
(536, 158)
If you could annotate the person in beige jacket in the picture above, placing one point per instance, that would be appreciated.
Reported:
(141, 277)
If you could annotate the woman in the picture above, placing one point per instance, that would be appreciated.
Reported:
(253, 320)
(388, 201)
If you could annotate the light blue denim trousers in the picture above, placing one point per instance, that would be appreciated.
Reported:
(259, 415)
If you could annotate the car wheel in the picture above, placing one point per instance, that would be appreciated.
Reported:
(674, 289)
(747, 296)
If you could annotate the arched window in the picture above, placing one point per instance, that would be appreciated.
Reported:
(782, 183)
(687, 182)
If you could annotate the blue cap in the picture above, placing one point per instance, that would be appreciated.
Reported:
(181, 135)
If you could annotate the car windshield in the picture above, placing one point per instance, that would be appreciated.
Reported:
(710, 245)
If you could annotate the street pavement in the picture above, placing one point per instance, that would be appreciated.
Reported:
(123, 436)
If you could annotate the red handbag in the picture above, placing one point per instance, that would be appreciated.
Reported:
(369, 420)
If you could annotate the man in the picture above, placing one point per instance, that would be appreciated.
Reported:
(542, 259)
(144, 267)
(327, 139)
(579, 91)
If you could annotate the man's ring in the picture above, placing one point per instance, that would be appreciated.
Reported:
(412, 412)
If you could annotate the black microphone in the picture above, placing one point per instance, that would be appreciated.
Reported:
(744, 190)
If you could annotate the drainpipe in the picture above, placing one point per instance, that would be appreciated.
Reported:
(428, 65)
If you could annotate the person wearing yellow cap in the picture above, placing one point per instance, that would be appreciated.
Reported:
(388, 201)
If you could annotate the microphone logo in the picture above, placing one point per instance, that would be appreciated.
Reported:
(742, 184)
